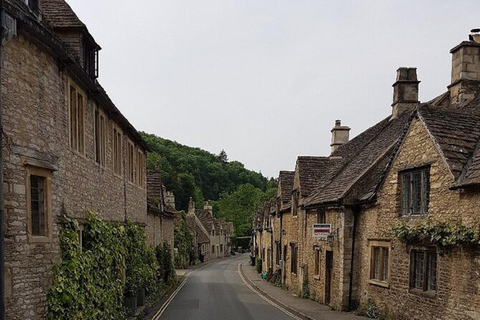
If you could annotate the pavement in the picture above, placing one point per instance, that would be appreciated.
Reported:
(303, 308)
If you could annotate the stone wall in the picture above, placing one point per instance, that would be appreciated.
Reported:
(458, 280)
(36, 124)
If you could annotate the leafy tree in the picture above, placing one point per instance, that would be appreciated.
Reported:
(239, 207)
(223, 156)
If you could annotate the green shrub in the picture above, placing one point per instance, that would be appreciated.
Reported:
(258, 265)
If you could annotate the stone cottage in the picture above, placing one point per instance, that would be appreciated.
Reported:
(67, 148)
(415, 170)
(161, 212)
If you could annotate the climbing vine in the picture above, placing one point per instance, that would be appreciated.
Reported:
(93, 278)
(441, 234)
(184, 242)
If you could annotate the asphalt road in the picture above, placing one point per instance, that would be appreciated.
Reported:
(216, 291)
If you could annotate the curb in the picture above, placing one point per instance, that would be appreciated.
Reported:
(263, 293)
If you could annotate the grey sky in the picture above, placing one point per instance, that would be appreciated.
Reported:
(265, 80)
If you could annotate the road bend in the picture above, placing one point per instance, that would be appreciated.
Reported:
(217, 291)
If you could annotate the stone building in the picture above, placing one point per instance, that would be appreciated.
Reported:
(161, 212)
(67, 149)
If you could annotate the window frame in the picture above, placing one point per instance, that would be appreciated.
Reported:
(141, 175)
(48, 221)
(130, 161)
(425, 288)
(100, 136)
(76, 131)
(117, 153)
(409, 193)
(382, 246)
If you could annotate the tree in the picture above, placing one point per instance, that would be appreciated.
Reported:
(223, 156)
(239, 207)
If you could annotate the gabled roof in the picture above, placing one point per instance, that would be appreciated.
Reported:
(60, 15)
(360, 156)
(456, 131)
(285, 184)
(312, 171)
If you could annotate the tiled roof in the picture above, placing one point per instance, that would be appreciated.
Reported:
(285, 183)
(313, 171)
(59, 14)
(359, 156)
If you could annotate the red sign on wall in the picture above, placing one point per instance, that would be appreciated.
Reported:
(321, 230)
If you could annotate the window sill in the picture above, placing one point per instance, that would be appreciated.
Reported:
(316, 277)
(39, 239)
(426, 294)
(379, 283)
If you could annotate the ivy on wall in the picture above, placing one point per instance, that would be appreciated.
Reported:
(444, 235)
(112, 262)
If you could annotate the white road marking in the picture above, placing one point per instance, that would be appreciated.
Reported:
(288, 313)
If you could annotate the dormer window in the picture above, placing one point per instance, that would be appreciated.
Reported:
(90, 60)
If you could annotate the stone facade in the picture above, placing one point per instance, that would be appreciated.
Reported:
(419, 166)
(36, 123)
(457, 295)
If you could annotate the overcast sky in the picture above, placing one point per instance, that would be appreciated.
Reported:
(266, 79)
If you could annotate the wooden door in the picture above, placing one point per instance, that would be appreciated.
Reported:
(328, 276)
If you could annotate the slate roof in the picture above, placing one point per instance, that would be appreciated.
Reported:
(285, 183)
(312, 171)
(59, 14)
(358, 157)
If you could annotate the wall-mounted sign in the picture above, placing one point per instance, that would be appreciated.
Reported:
(322, 230)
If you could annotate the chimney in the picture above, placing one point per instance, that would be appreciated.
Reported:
(191, 206)
(340, 135)
(208, 206)
(170, 199)
(465, 69)
(405, 91)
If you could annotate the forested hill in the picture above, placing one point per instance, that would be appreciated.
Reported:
(195, 172)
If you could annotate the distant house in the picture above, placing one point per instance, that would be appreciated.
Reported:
(67, 149)
(161, 212)
(211, 235)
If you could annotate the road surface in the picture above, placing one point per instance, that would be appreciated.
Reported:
(217, 291)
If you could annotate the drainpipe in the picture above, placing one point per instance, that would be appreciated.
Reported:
(2, 230)
(355, 211)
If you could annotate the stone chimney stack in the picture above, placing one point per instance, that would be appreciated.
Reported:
(465, 69)
(191, 206)
(208, 206)
(405, 91)
(170, 199)
(340, 135)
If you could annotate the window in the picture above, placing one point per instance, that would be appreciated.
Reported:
(294, 257)
(90, 59)
(423, 269)
(221, 248)
(130, 160)
(317, 263)
(117, 151)
(415, 190)
(379, 262)
(295, 202)
(140, 168)
(213, 249)
(100, 136)
(321, 217)
(77, 119)
(39, 204)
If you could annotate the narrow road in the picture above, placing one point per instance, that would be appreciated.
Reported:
(216, 291)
